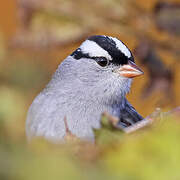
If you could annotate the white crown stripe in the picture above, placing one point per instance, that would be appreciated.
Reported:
(94, 50)
(121, 47)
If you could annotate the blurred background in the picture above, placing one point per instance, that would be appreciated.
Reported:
(36, 35)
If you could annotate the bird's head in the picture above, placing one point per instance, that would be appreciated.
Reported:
(103, 62)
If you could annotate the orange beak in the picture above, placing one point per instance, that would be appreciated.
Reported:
(129, 70)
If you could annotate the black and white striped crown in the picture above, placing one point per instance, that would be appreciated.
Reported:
(104, 46)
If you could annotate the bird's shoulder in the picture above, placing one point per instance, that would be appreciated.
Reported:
(44, 114)
(129, 115)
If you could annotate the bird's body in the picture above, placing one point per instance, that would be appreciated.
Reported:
(80, 90)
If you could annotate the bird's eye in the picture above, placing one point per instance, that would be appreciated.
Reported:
(102, 61)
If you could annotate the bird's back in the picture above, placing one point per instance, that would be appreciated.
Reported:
(42, 116)
(47, 113)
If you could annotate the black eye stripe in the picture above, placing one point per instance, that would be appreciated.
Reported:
(102, 61)
(99, 58)
(108, 44)
(78, 54)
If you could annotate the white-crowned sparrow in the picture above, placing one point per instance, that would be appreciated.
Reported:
(93, 79)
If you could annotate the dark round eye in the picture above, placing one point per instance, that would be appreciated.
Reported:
(102, 61)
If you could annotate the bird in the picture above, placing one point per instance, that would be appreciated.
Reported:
(94, 79)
